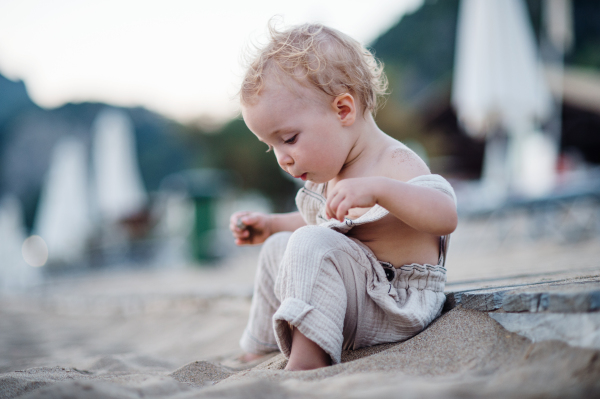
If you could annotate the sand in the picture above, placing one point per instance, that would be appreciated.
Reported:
(164, 334)
(463, 354)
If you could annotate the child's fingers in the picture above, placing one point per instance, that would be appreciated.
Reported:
(333, 204)
(235, 216)
(234, 221)
(248, 220)
(241, 233)
(328, 208)
(243, 226)
(252, 220)
(328, 211)
(233, 226)
(235, 229)
(342, 210)
(244, 239)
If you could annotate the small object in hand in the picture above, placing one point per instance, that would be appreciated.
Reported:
(240, 225)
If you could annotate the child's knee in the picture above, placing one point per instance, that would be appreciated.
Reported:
(276, 243)
(310, 251)
(279, 239)
(315, 239)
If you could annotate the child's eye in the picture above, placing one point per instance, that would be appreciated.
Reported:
(292, 140)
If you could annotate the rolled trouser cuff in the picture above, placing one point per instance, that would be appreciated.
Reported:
(313, 324)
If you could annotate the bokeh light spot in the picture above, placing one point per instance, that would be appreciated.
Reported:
(35, 251)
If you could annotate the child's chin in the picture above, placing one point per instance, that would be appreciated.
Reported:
(319, 178)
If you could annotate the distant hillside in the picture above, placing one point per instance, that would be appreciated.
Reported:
(420, 47)
(28, 134)
(13, 99)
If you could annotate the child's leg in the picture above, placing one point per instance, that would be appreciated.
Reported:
(305, 354)
(319, 285)
(259, 337)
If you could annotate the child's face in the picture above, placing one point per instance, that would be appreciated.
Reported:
(302, 127)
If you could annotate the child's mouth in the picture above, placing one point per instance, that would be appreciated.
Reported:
(303, 177)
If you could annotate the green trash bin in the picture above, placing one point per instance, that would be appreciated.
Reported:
(204, 226)
(206, 187)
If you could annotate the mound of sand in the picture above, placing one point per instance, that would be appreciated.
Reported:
(462, 354)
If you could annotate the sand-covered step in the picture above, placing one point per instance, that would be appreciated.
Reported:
(563, 296)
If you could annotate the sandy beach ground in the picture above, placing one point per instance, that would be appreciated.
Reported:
(164, 332)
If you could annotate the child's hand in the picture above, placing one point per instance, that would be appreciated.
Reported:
(250, 228)
(358, 192)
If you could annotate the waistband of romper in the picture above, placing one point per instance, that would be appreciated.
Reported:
(422, 277)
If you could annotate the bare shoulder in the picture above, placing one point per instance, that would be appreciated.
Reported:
(401, 163)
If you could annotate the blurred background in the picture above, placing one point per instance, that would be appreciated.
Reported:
(121, 144)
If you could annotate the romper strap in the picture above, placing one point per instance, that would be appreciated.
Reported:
(444, 241)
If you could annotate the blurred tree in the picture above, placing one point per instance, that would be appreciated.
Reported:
(161, 147)
(234, 147)
(586, 51)
(419, 49)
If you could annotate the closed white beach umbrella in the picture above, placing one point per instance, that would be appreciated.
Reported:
(15, 273)
(119, 190)
(498, 84)
(62, 219)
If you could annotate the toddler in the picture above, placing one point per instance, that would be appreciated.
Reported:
(362, 261)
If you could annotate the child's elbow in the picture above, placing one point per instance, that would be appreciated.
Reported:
(449, 223)
(453, 223)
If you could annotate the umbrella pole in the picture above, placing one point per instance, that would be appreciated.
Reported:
(494, 175)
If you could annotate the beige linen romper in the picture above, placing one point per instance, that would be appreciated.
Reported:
(333, 288)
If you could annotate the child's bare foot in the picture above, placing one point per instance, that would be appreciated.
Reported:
(305, 354)
(246, 360)
(250, 357)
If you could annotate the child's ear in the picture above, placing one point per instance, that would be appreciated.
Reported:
(345, 108)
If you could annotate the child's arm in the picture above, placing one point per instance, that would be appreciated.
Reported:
(422, 208)
(251, 228)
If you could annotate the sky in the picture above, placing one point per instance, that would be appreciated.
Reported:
(181, 58)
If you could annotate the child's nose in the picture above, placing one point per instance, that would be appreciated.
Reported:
(284, 159)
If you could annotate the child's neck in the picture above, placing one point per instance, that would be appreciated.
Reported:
(368, 145)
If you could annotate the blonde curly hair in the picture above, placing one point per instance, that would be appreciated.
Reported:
(317, 56)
